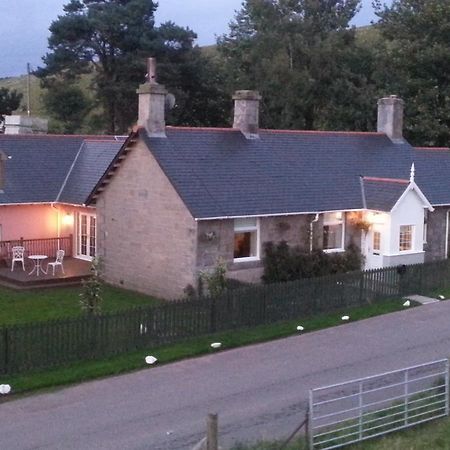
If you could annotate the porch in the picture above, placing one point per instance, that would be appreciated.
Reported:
(74, 269)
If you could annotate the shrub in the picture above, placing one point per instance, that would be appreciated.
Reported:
(91, 292)
(282, 263)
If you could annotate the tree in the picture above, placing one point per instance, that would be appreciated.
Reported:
(112, 39)
(68, 105)
(9, 102)
(416, 65)
(303, 58)
(91, 293)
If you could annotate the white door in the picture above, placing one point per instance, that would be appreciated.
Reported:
(87, 230)
(374, 248)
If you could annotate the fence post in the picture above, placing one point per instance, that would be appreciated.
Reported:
(6, 351)
(212, 322)
(211, 432)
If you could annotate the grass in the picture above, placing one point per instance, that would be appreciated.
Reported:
(61, 303)
(83, 371)
(431, 436)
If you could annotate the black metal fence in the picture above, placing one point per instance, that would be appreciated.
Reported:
(49, 344)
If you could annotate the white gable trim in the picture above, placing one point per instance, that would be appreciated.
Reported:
(412, 186)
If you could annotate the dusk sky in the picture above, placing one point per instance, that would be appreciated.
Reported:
(24, 29)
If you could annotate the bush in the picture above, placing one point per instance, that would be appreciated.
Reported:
(282, 263)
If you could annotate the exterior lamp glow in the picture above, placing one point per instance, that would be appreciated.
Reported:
(67, 219)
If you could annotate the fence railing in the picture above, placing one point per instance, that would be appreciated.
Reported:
(48, 344)
(357, 410)
(46, 246)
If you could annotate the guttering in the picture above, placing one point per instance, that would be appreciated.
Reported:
(58, 226)
(198, 219)
(77, 205)
(447, 237)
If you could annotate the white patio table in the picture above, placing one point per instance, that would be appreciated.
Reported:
(37, 259)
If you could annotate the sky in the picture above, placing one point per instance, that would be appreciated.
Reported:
(25, 23)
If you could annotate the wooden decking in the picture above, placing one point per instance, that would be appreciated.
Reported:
(75, 270)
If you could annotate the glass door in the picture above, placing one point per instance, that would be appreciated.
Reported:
(87, 231)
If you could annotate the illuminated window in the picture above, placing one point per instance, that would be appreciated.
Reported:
(406, 237)
(246, 239)
(376, 242)
(333, 231)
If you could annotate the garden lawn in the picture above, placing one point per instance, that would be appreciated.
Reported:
(431, 436)
(38, 305)
(88, 370)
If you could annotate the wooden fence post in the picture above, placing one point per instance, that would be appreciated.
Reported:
(5, 351)
(211, 432)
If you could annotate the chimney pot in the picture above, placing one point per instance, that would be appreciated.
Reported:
(246, 112)
(152, 99)
(390, 117)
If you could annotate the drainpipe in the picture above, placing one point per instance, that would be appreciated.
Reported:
(58, 224)
(447, 237)
(311, 225)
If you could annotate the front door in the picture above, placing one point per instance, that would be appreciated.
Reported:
(374, 247)
(87, 230)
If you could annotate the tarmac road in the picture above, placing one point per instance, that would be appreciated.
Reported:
(258, 391)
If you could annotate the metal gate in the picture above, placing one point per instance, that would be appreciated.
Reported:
(361, 409)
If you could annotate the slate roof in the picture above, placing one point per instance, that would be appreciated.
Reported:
(381, 194)
(433, 174)
(39, 165)
(220, 173)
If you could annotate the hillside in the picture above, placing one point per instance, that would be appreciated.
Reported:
(19, 84)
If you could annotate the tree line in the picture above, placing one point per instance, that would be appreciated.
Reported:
(313, 69)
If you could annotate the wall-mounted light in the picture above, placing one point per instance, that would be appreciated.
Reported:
(375, 218)
(67, 219)
(339, 215)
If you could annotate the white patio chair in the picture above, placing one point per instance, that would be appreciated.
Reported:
(18, 254)
(58, 261)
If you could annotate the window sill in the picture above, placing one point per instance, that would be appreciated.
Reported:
(334, 250)
(406, 252)
(249, 259)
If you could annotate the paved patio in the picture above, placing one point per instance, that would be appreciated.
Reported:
(75, 270)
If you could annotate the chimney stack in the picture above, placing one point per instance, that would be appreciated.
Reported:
(152, 97)
(246, 113)
(390, 117)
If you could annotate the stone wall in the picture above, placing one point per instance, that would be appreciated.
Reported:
(436, 234)
(146, 235)
(216, 240)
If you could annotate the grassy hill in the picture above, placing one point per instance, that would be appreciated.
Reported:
(19, 84)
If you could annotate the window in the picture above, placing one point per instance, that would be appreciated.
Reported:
(406, 237)
(333, 231)
(87, 225)
(376, 242)
(425, 226)
(246, 239)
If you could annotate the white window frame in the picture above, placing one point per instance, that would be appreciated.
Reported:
(335, 218)
(89, 217)
(247, 229)
(413, 233)
(376, 251)
(425, 226)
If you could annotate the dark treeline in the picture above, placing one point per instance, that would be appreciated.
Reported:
(313, 69)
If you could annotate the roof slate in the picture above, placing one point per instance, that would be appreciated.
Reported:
(38, 165)
(382, 194)
(220, 173)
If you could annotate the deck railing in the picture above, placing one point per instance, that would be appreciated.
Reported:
(46, 246)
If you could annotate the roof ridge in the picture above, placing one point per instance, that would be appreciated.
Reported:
(387, 180)
(433, 148)
(270, 130)
(363, 133)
